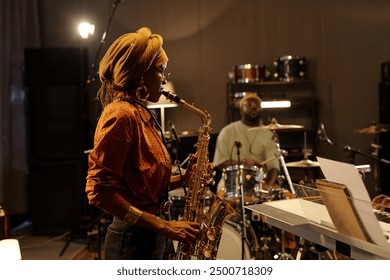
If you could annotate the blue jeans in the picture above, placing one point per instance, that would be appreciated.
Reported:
(130, 242)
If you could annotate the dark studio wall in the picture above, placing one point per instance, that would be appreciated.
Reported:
(344, 43)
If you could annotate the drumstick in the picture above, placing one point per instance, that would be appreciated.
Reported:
(277, 155)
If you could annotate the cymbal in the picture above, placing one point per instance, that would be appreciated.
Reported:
(274, 125)
(303, 163)
(374, 129)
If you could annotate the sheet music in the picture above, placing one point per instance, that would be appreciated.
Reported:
(347, 174)
(341, 207)
(313, 212)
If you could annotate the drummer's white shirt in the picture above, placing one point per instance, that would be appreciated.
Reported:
(263, 144)
(262, 141)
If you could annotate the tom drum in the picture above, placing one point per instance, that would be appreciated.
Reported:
(250, 177)
(248, 73)
(289, 68)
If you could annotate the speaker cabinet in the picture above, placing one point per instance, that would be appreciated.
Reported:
(55, 66)
(384, 138)
(56, 190)
(384, 102)
(56, 124)
(56, 103)
(384, 169)
(57, 135)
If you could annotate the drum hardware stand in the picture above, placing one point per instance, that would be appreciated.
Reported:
(265, 240)
(314, 248)
(85, 230)
(264, 162)
(283, 255)
(283, 163)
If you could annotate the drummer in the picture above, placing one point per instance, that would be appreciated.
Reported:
(237, 144)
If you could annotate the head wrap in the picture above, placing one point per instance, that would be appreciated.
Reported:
(249, 96)
(130, 56)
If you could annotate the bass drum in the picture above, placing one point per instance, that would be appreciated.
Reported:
(230, 245)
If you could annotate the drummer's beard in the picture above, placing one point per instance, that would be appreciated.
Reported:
(253, 118)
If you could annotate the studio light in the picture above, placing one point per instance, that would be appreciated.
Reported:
(276, 104)
(86, 29)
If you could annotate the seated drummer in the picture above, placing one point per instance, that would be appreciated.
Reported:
(256, 145)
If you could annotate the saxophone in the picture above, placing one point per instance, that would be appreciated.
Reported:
(211, 220)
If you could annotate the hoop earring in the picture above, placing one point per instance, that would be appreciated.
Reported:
(141, 91)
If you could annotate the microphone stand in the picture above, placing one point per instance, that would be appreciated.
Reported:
(241, 184)
(174, 145)
(352, 153)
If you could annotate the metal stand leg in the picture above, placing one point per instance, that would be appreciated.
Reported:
(243, 230)
(283, 163)
(283, 255)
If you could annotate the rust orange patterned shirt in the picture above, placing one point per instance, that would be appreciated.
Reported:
(129, 163)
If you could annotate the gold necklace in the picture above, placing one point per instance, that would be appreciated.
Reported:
(250, 143)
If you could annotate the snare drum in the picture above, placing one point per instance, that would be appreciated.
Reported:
(251, 178)
(289, 68)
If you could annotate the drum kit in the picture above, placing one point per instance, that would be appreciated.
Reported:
(246, 236)
(286, 68)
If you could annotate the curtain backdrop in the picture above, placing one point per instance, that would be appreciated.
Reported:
(17, 16)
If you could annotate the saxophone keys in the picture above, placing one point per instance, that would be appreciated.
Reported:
(207, 252)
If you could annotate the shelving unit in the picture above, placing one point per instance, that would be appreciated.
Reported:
(303, 111)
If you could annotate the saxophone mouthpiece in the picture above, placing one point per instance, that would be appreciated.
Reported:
(171, 96)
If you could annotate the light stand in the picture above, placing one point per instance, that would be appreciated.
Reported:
(92, 76)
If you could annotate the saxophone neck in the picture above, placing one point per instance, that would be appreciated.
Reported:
(202, 113)
(171, 96)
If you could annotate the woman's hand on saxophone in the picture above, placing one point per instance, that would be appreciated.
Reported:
(181, 231)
